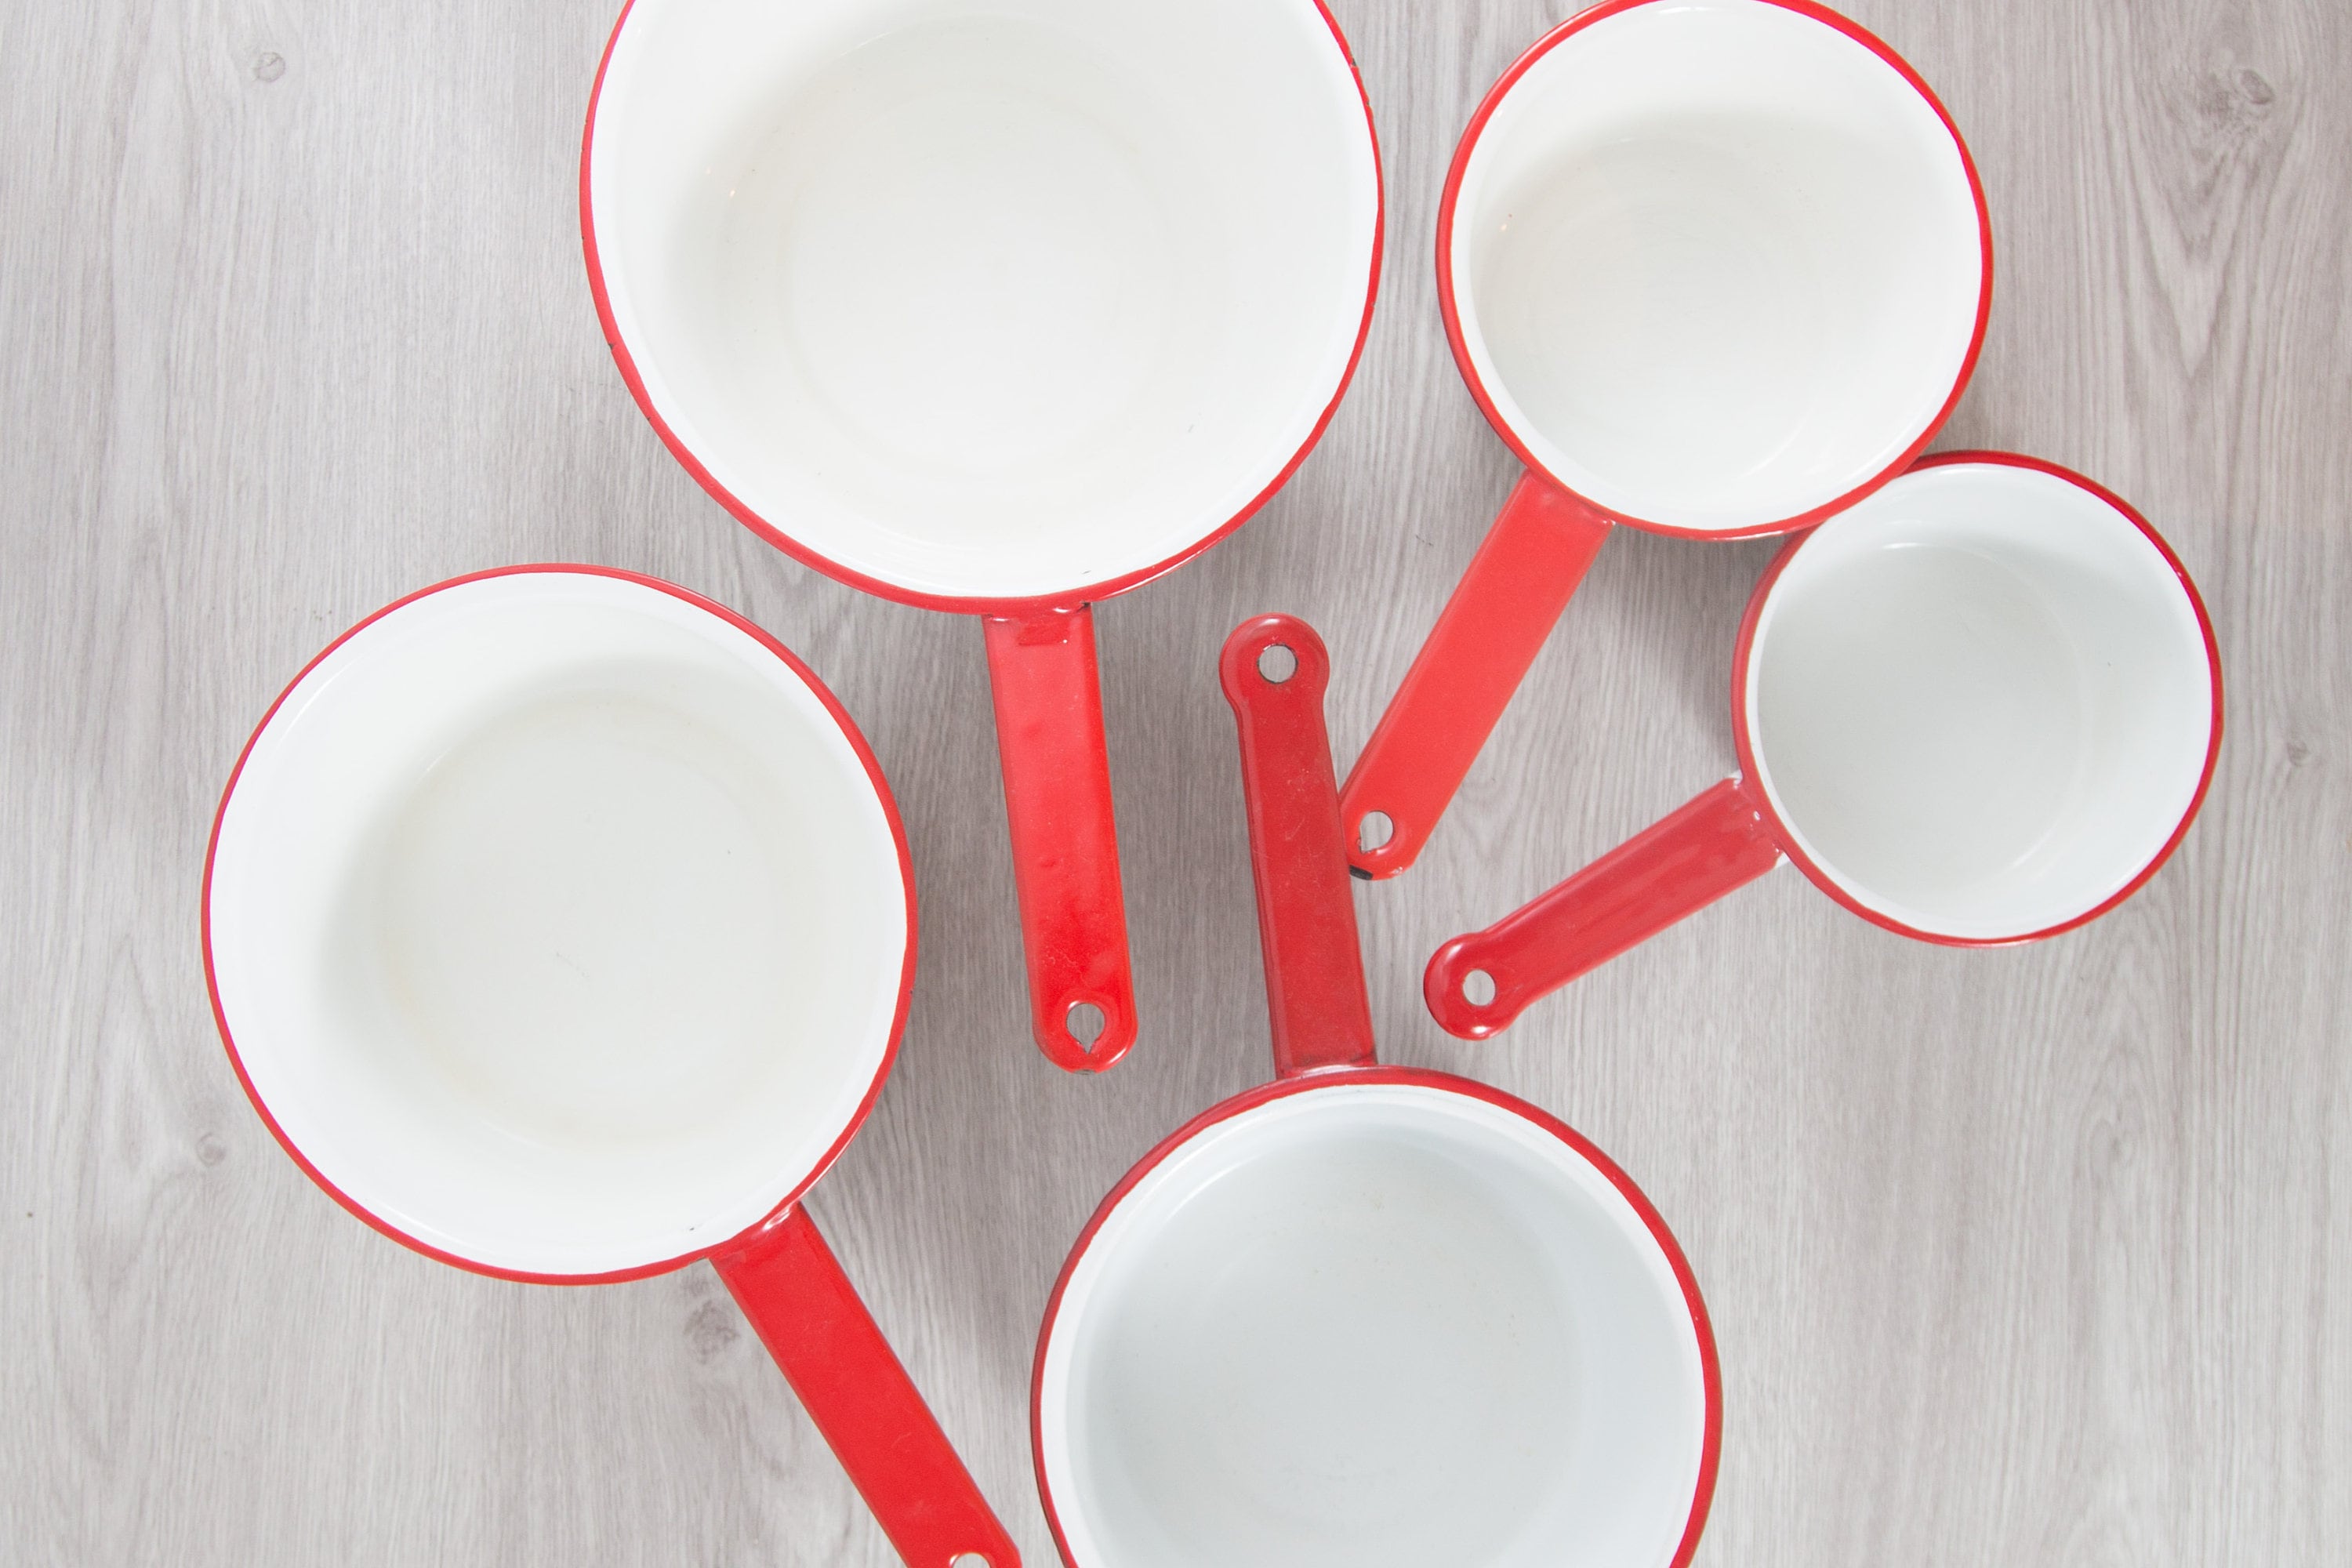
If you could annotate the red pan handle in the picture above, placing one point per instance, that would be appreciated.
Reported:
(1463, 678)
(1305, 909)
(1049, 741)
(809, 1316)
(1694, 855)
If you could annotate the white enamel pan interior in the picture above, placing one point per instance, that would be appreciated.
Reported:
(1713, 265)
(976, 302)
(558, 923)
(1373, 1325)
(1984, 703)
(1366, 1317)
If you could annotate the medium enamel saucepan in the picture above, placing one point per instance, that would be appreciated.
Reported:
(1366, 1316)
(997, 310)
(1710, 268)
(560, 925)
(1981, 707)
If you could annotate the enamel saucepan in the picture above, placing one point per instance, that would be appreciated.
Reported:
(1981, 707)
(1713, 268)
(559, 924)
(1000, 309)
(1366, 1317)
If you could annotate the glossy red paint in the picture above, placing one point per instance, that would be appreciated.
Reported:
(1729, 836)
(791, 1287)
(1484, 641)
(1066, 962)
(1441, 717)
(854, 1387)
(1319, 1011)
(1720, 841)
(1306, 915)
(1049, 741)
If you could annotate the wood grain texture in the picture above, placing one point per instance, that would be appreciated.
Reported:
(2036, 1255)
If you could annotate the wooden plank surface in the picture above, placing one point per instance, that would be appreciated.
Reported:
(2036, 1255)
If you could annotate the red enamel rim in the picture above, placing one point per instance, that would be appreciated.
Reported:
(1710, 1369)
(1787, 839)
(906, 975)
(1446, 291)
(961, 604)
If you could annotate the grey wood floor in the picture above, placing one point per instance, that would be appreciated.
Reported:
(2035, 1255)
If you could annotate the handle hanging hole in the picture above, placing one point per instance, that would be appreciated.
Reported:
(1277, 663)
(971, 1558)
(1478, 988)
(1085, 1023)
(1374, 831)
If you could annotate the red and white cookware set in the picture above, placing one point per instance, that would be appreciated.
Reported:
(561, 925)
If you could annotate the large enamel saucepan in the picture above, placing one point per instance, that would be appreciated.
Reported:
(1366, 1316)
(560, 925)
(1981, 707)
(997, 308)
(1710, 268)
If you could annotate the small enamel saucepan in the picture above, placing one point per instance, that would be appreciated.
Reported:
(993, 309)
(560, 925)
(1979, 708)
(1713, 268)
(1366, 1316)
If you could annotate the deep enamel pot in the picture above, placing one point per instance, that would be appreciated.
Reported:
(1366, 1316)
(1981, 707)
(560, 925)
(1713, 268)
(999, 312)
